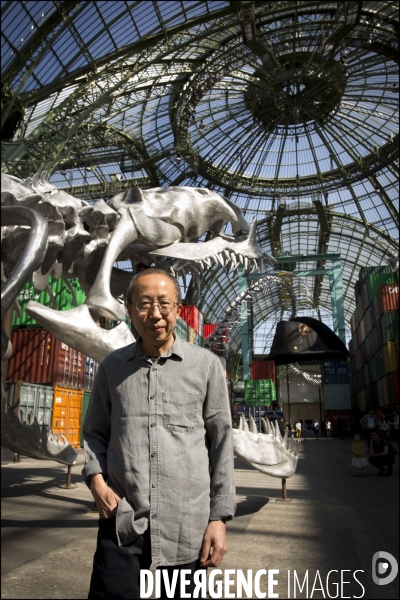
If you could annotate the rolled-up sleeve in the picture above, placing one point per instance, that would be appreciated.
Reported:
(218, 425)
(96, 429)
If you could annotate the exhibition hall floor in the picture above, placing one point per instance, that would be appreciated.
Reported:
(334, 523)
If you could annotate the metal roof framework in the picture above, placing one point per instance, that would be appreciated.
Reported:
(289, 109)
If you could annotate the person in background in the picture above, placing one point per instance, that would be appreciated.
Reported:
(304, 429)
(385, 428)
(316, 429)
(395, 424)
(298, 429)
(274, 414)
(370, 423)
(328, 426)
(381, 454)
(359, 461)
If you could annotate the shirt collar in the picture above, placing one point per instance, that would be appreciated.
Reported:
(135, 350)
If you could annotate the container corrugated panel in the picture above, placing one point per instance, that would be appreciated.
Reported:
(389, 326)
(379, 392)
(388, 298)
(359, 310)
(34, 402)
(362, 330)
(32, 359)
(337, 396)
(85, 405)
(329, 371)
(385, 392)
(357, 290)
(89, 371)
(263, 369)
(389, 385)
(389, 357)
(61, 292)
(191, 333)
(371, 371)
(397, 344)
(375, 281)
(363, 354)
(378, 332)
(38, 357)
(209, 329)
(342, 371)
(67, 409)
(361, 401)
(395, 384)
(365, 373)
(367, 348)
(353, 323)
(364, 299)
(375, 304)
(191, 315)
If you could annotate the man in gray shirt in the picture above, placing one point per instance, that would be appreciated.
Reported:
(158, 447)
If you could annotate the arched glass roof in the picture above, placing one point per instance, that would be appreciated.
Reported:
(289, 109)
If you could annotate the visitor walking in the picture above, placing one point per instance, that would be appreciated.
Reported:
(328, 426)
(304, 429)
(316, 429)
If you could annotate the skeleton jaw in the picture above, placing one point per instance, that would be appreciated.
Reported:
(222, 251)
(267, 452)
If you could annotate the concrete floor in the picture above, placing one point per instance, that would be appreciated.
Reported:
(335, 522)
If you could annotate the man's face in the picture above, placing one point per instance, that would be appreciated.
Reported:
(374, 437)
(155, 329)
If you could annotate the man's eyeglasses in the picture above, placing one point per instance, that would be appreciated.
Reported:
(165, 306)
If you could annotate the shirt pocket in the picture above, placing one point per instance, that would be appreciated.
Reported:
(180, 411)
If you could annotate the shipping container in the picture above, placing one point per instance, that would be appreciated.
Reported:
(191, 333)
(85, 405)
(209, 328)
(259, 392)
(63, 296)
(263, 369)
(388, 298)
(336, 396)
(361, 401)
(364, 299)
(389, 326)
(191, 315)
(389, 357)
(395, 385)
(38, 357)
(30, 401)
(90, 369)
(379, 392)
(385, 391)
(67, 409)
(328, 371)
(397, 344)
(357, 290)
(181, 329)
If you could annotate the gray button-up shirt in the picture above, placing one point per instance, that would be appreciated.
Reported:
(161, 435)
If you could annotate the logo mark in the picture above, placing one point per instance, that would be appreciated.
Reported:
(384, 568)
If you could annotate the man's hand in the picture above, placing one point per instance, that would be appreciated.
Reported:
(215, 538)
(106, 498)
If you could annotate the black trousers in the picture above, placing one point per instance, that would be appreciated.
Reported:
(116, 569)
(380, 462)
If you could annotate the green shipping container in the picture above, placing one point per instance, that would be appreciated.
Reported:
(389, 326)
(62, 294)
(374, 281)
(85, 406)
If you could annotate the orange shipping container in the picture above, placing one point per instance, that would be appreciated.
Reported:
(67, 408)
(388, 298)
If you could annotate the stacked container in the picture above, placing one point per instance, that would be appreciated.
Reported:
(263, 369)
(259, 392)
(374, 362)
(195, 325)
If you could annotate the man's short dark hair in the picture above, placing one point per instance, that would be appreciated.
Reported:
(152, 271)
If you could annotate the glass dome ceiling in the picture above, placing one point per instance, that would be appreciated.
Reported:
(289, 109)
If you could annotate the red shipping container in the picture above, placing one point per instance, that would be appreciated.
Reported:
(209, 329)
(388, 297)
(263, 369)
(191, 315)
(38, 357)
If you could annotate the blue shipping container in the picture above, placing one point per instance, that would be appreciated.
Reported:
(342, 371)
(329, 371)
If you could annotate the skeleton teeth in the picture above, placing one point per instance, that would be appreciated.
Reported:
(220, 260)
(246, 263)
(227, 255)
(208, 262)
(253, 427)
